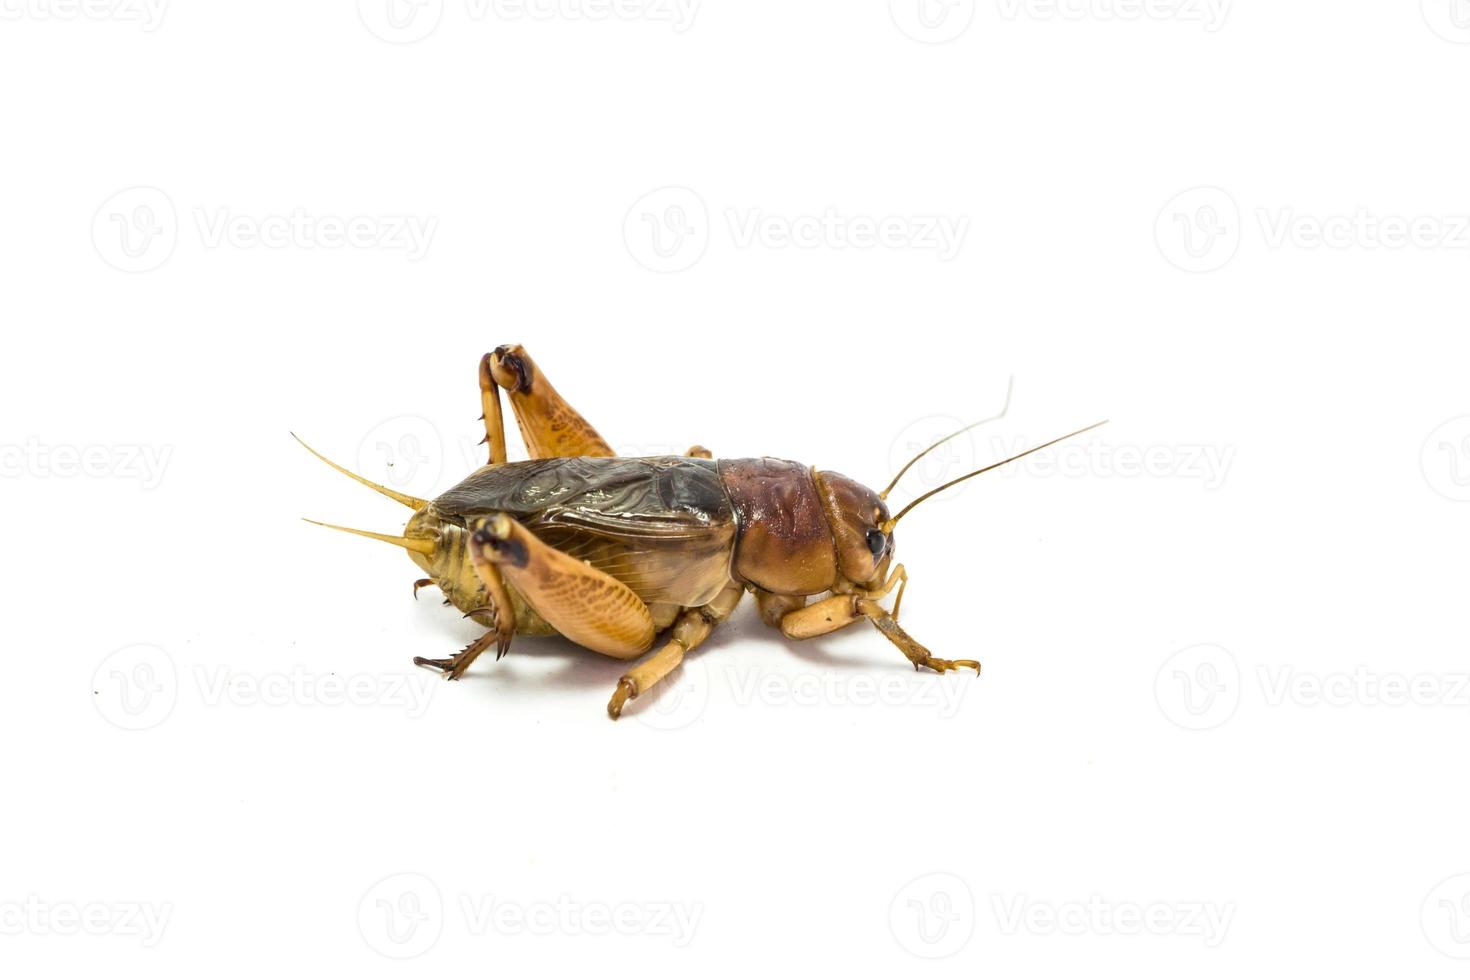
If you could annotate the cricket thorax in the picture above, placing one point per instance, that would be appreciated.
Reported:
(785, 543)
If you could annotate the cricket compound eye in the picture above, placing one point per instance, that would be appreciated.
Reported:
(877, 542)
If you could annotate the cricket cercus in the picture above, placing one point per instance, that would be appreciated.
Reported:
(609, 551)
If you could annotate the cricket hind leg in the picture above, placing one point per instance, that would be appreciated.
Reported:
(550, 426)
(582, 603)
(690, 629)
(839, 611)
(491, 415)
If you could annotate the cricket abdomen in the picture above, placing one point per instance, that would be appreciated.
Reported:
(662, 525)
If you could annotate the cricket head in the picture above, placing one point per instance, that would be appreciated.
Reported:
(435, 544)
(862, 533)
(861, 523)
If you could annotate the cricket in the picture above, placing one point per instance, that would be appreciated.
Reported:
(612, 552)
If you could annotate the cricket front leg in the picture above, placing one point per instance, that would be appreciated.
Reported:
(454, 667)
(501, 613)
(549, 426)
(839, 611)
(690, 629)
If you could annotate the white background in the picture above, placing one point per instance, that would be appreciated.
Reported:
(1224, 641)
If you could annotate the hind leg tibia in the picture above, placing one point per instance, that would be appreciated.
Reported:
(550, 427)
(690, 629)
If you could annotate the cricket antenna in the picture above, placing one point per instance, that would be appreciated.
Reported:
(888, 525)
(423, 546)
(1010, 386)
(402, 498)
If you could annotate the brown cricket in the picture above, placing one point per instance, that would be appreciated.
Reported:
(609, 551)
